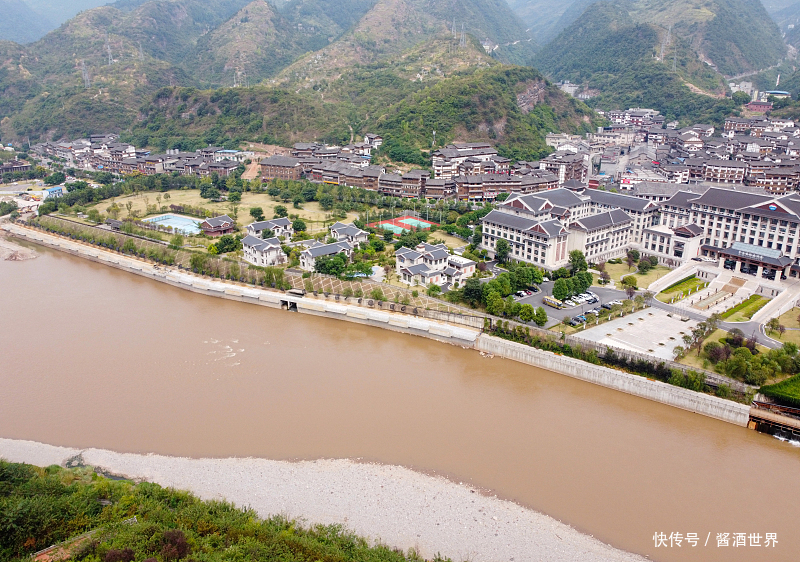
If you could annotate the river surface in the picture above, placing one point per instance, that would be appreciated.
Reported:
(95, 357)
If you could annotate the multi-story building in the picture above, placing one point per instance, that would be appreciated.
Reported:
(261, 252)
(566, 166)
(602, 236)
(281, 167)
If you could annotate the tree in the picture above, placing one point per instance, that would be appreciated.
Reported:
(502, 250)
(630, 291)
(630, 261)
(526, 313)
(629, 281)
(494, 303)
(377, 244)
(772, 325)
(94, 216)
(473, 291)
(234, 196)
(267, 233)
(540, 317)
(577, 261)
(677, 352)
(645, 266)
(634, 254)
(331, 265)
(388, 235)
(781, 330)
(176, 242)
(740, 98)
(299, 225)
(561, 289)
(55, 178)
(281, 211)
(433, 290)
(605, 278)
(257, 213)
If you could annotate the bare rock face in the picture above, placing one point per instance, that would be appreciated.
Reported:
(533, 94)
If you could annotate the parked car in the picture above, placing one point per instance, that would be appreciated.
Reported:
(535, 289)
(615, 302)
(579, 299)
(575, 322)
(570, 302)
(697, 259)
(581, 317)
(528, 292)
(592, 294)
(607, 306)
(521, 294)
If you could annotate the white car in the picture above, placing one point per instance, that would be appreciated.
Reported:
(569, 302)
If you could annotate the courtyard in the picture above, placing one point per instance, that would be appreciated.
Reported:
(651, 331)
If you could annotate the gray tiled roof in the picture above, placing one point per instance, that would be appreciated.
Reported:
(509, 220)
(260, 244)
(627, 202)
(219, 221)
(328, 249)
(602, 220)
(284, 161)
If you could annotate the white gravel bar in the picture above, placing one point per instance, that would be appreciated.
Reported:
(388, 504)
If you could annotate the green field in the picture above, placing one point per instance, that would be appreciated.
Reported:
(745, 310)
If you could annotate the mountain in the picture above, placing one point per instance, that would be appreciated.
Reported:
(25, 21)
(20, 23)
(624, 66)
(393, 27)
(305, 71)
(259, 41)
(513, 107)
(734, 36)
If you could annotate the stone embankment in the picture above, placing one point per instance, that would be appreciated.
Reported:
(704, 404)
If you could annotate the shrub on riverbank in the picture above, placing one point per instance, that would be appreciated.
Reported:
(40, 507)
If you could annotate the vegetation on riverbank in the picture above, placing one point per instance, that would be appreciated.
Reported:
(786, 392)
(40, 507)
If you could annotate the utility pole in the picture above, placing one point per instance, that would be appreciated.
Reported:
(108, 49)
(675, 60)
(463, 37)
(434, 140)
(141, 52)
(454, 28)
(86, 81)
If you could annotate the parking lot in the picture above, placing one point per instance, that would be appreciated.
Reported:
(554, 316)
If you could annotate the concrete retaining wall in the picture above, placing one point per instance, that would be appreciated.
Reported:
(711, 406)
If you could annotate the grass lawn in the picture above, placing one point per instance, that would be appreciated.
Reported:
(789, 319)
(316, 219)
(617, 270)
(692, 284)
(745, 310)
(449, 241)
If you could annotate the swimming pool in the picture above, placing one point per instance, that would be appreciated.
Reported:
(179, 223)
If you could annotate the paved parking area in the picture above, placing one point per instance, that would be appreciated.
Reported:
(648, 331)
(555, 316)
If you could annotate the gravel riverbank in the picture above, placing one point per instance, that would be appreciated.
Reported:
(394, 505)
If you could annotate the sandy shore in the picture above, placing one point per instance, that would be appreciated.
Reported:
(14, 252)
(394, 505)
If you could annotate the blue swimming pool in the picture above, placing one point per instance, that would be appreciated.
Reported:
(179, 223)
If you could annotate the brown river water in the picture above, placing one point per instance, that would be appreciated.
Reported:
(95, 357)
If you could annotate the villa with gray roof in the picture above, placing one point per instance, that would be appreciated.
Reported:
(308, 257)
(349, 233)
(261, 252)
(279, 227)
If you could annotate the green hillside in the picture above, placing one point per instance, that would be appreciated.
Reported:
(734, 36)
(624, 68)
(467, 107)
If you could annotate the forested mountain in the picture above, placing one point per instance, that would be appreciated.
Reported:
(624, 66)
(306, 71)
(734, 36)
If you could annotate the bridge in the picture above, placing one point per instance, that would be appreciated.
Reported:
(774, 417)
